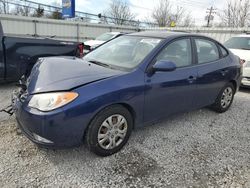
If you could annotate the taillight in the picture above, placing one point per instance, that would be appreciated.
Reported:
(242, 61)
(80, 49)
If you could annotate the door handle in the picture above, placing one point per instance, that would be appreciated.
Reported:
(224, 72)
(191, 79)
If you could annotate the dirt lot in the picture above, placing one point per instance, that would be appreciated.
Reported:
(196, 149)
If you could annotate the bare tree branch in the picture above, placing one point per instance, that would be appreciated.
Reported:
(55, 12)
(4, 6)
(39, 12)
(22, 10)
(119, 13)
(188, 21)
(236, 14)
(162, 13)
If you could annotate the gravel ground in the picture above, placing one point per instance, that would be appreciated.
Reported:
(195, 149)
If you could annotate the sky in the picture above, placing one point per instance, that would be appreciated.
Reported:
(143, 8)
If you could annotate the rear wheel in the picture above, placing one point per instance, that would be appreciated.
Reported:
(224, 99)
(109, 131)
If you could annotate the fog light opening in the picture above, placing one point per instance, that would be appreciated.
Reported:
(41, 139)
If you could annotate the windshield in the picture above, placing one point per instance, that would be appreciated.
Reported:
(105, 37)
(124, 52)
(238, 43)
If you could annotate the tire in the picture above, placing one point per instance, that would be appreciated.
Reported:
(224, 99)
(105, 136)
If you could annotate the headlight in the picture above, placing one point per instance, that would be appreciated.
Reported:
(50, 101)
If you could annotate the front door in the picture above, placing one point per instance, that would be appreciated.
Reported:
(171, 92)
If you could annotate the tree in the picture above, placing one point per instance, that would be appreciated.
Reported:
(23, 10)
(56, 15)
(39, 12)
(55, 11)
(236, 13)
(161, 13)
(119, 13)
(4, 6)
(188, 21)
(178, 16)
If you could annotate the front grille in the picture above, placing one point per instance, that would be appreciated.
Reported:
(23, 96)
(22, 93)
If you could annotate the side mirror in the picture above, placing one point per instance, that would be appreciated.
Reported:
(164, 66)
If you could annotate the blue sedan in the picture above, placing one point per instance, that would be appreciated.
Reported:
(129, 82)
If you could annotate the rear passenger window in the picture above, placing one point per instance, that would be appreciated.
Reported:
(207, 51)
(179, 52)
(223, 51)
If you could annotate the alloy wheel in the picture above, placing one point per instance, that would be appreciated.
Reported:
(227, 97)
(112, 131)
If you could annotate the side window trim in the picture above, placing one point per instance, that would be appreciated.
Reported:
(219, 46)
(219, 50)
(194, 51)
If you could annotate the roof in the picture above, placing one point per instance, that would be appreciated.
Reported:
(158, 34)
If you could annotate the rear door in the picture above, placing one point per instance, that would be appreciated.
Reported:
(213, 70)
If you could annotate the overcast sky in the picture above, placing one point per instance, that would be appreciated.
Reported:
(144, 8)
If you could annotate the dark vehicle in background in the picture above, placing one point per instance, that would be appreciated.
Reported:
(128, 82)
(18, 55)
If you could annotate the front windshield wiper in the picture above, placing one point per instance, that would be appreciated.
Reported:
(100, 63)
(107, 65)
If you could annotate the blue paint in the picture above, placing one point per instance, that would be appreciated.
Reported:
(151, 96)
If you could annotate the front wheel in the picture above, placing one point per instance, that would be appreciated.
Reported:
(109, 131)
(224, 99)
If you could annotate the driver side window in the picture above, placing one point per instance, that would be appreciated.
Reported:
(178, 52)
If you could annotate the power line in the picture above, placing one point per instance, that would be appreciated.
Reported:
(136, 6)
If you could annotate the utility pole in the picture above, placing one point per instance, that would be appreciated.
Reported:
(210, 16)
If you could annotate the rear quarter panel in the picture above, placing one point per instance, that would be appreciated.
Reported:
(236, 69)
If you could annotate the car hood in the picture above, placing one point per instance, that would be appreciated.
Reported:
(93, 42)
(243, 54)
(65, 73)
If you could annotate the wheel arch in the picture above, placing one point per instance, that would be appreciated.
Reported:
(234, 84)
(124, 105)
